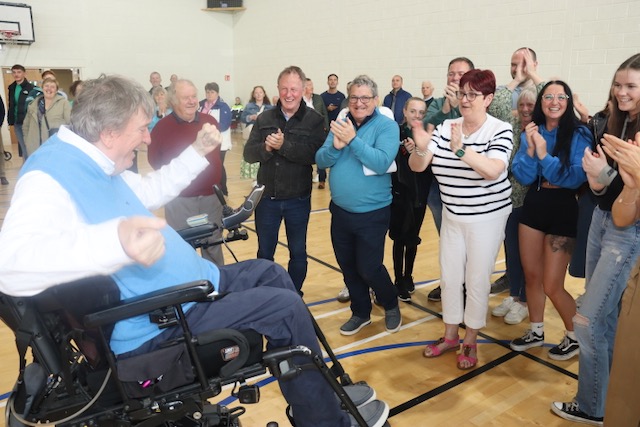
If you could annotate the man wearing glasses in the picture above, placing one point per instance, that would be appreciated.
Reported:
(360, 150)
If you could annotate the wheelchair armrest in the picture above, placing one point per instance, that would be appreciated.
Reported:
(143, 304)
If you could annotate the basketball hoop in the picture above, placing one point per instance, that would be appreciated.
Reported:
(8, 37)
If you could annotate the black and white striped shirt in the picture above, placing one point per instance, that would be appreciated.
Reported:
(465, 194)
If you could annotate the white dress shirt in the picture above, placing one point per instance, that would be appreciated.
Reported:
(45, 240)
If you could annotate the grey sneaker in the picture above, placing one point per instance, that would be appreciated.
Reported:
(500, 285)
(354, 325)
(375, 414)
(343, 295)
(360, 393)
(528, 340)
(393, 320)
(567, 349)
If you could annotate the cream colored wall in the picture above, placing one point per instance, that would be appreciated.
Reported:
(580, 41)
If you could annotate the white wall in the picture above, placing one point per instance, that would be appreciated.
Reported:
(580, 41)
(130, 37)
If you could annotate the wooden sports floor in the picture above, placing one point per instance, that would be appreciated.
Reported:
(506, 388)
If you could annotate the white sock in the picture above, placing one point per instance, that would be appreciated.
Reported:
(572, 335)
(537, 328)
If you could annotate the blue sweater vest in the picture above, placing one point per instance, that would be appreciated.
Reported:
(99, 198)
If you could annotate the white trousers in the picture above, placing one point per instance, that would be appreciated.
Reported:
(467, 256)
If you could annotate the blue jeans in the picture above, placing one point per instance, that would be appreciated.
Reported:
(295, 213)
(358, 242)
(435, 204)
(20, 136)
(611, 253)
(512, 254)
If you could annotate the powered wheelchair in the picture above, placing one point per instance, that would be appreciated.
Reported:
(73, 379)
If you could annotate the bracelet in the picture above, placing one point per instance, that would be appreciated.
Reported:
(420, 152)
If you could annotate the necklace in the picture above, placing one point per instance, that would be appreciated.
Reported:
(473, 130)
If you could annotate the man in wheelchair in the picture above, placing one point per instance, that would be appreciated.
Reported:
(78, 212)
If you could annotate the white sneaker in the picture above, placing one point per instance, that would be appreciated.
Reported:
(516, 314)
(316, 178)
(504, 307)
(343, 295)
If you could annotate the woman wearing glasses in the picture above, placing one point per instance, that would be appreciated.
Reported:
(550, 162)
(612, 249)
(469, 155)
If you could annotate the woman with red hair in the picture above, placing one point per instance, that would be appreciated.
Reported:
(469, 157)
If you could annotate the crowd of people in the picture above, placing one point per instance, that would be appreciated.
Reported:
(522, 164)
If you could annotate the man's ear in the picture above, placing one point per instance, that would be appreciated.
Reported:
(107, 138)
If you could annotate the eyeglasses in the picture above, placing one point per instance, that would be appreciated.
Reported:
(364, 99)
(471, 96)
(560, 97)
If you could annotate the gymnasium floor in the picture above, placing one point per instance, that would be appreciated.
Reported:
(506, 388)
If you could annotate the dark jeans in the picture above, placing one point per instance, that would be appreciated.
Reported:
(586, 205)
(295, 212)
(262, 298)
(435, 204)
(358, 242)
(512, 253)
(322, 175)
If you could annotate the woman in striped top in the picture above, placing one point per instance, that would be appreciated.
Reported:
(470, 155)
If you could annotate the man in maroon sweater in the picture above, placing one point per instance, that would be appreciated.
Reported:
(169, 138)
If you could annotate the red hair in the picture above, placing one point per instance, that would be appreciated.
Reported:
(483, 81)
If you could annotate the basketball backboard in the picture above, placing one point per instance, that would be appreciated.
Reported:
(16, 23)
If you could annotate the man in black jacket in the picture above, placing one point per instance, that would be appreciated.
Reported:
(17, 95)
(285, 140)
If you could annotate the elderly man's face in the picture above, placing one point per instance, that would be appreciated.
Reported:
(308, 88)
(290, 88)
(364, 103)
(155, 79)
(121, 145)
(185, 103)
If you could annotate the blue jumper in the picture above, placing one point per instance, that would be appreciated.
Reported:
(100, 197)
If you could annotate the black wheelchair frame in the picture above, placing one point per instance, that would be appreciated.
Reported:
(74, 379)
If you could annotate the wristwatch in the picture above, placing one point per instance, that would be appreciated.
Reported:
(460, 151)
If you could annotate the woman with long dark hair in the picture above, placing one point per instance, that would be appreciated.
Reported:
(612, 251)
(550, 162)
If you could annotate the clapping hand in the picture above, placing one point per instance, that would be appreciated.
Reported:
(627, 155)
(274, 141)
(343, 133)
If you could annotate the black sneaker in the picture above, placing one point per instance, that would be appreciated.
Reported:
(4, 180)
(403, 291)
(375, 414)
(529, 340)
(408, 283)
(435, 294)
(570, 411)
(393, 320)
(500, 285)
(565, 350)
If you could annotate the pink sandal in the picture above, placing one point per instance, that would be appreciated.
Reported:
(464, 356)
(452, 345)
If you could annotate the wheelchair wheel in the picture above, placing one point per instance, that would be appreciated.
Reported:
(7, 156)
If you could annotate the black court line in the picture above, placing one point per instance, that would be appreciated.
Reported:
(450, 385)
(463, 378)
(318, 260)
(504, 345)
